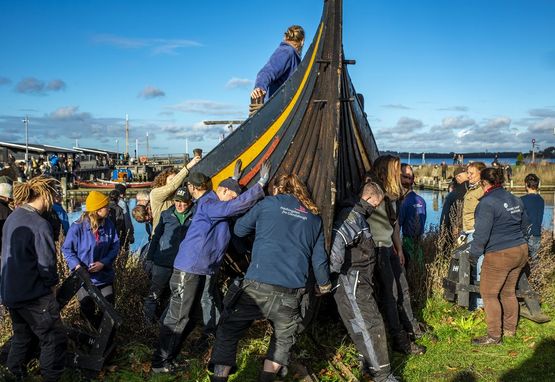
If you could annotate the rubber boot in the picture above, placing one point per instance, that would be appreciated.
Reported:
(266, 376)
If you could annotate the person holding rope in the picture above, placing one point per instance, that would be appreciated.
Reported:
(289, 240)
(29, 278)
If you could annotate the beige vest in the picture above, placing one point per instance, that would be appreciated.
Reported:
(471, 199)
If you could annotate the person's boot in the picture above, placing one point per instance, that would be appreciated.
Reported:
(402, 344)
(486, 340)
(215, 378)
(266, 376)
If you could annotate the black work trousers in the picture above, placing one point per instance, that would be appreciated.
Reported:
(40, 319)
(360, 315)
(394, 293)
(280, 306)
(159, 283)
(186, 290)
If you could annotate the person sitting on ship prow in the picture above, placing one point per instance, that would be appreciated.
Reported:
(281, 65)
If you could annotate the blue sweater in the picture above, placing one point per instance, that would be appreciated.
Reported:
(82, 248)
(28, 258)
(204, 246)
(168, 235)
(278, 69)
(412, 217)
(534, 206)
(288, 240)
(500, 222)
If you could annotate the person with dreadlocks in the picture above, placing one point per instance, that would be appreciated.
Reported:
(289, 240)
(29, 278)
(92, 242)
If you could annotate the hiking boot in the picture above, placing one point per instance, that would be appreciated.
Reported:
(486, 340)
(410, 348)
(403, 345)
(418, 331)
(388, 378)
(266, 376)
(204, 342)
(169, 367)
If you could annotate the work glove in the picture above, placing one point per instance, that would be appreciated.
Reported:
(265, 173)
(237, 171)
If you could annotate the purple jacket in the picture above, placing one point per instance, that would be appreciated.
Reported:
(203, 248)
(81, 247)
(278, 69)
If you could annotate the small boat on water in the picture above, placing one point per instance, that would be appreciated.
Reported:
(108, 184)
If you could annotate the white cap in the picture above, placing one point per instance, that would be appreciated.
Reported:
(6, 190)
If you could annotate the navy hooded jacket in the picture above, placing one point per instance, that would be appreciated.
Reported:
(500, 222)
(288, 240)
(203, 248)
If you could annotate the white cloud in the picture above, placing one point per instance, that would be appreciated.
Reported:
(396, 106)
(235, 83)
(56, 85)
(155, 45)
(406, 124)
(30, 85)
(498, 122)
(207, 107)
(150, 92)
(69, 113)
(459, 122)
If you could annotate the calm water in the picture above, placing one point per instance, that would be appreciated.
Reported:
(417, 160)
(434, 202)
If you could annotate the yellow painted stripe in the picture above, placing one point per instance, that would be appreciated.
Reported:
(256, 148)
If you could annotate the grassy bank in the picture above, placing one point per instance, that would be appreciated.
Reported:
(325, 352)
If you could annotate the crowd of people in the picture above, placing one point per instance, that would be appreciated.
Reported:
(376, 234)
(190, 224)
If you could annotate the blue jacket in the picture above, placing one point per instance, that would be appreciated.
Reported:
(208, 236)
(534, 206)
(278, 69)
(28, 258)
(82, 248)
(169, 233)
(288, 239)
(500, 222)
(62, 214)
(412, 217)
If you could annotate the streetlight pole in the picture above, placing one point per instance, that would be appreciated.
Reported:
(117, 151)
(26, 123)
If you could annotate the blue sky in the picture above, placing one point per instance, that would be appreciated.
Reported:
(436, 75)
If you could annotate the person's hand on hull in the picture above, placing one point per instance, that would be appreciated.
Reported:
(257, 93)
(265, 173)
(193, 162)
(237, 170)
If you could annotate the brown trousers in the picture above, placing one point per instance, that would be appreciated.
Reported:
(498, 278)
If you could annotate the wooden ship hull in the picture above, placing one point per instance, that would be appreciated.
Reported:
(313, 126)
